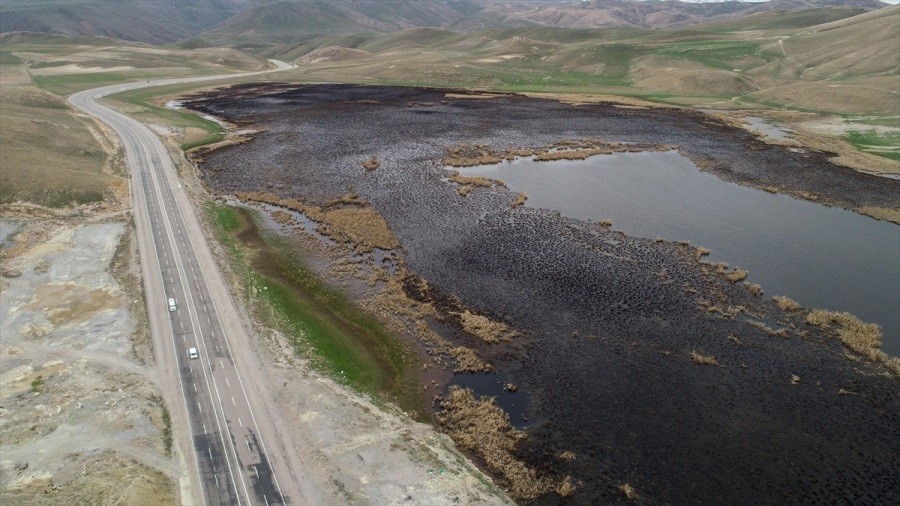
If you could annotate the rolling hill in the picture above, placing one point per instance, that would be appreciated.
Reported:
(256, 23)
(846, 66)
(150, 21)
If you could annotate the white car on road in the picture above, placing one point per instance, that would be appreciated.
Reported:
(192, 352)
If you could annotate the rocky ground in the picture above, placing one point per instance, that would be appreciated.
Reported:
(651, 375)
(82, 420)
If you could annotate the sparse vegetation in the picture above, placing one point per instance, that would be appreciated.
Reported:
(629, 492)
(347, 220)
(703, 359)
(520, 199)
(571, 154)
(754, 288)
(858, 336)
(475, 181)
(786, 303)
(468, 361)
(484, 328)
(371, 164)
(567, 456)
(37, 385)
(167, 424)
(881, 213)
(736, 275)
(479, 426)
(567, 488)
(282, 217)
(467, 155)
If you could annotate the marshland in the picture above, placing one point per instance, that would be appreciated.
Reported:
(634, 354)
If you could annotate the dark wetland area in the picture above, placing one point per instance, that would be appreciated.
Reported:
(819, 255)
(632, 368)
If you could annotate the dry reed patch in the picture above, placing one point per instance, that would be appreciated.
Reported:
(371, 163)
(704, 359)
(361, 225)
(702, 252)
(469, 155)
(881, 213)
(567, 488)
(855, 334)
(475, 180)
(464, 190)
(567, 456)
(513, 153)
(282, 217)
(782, 332)
(754, 288)
(479, 426)
(475, 96)
(629, 492)
(607, 223)
(468, 361)
(571, 154)
(786, 303)
(734, 275)
(484, 328)
(520, 199)
(346, 220)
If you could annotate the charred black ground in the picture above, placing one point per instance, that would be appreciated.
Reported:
(610, 321)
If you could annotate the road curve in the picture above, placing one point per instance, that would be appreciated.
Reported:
(219, 402)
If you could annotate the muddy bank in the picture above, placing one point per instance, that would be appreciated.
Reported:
(607, 333)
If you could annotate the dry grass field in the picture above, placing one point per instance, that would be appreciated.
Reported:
(52, 155)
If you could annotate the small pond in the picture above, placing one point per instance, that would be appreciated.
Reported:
(818, 255)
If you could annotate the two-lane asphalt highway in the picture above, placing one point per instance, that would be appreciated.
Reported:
(227, 418)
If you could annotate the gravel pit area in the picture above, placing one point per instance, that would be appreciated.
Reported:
(613, 333)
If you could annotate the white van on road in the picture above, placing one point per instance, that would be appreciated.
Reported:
(172, 306)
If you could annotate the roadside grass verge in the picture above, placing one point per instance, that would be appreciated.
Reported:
(166, 419)
(149, 112)
(66, 84)
(323, 324)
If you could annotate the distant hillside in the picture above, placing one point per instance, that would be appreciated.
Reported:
(864, 45)
(848, 66)
(252, 24)
(151, 21)
(286, 21)
(642, 14)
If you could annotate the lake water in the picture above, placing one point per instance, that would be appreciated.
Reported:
(820, 256)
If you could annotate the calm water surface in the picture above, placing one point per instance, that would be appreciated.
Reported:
(820, 256)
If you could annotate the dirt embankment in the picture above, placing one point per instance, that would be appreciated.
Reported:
(636, 356)
(83, 421)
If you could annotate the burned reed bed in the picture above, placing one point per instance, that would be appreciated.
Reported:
(637, 391)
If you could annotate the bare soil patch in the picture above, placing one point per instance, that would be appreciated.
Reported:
(83, 420)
